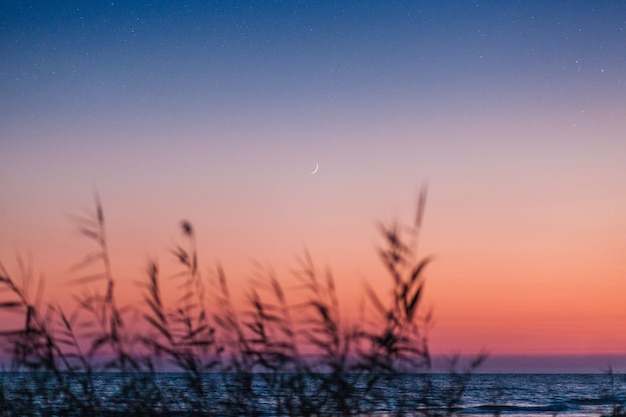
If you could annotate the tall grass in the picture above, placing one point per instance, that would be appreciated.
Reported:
(272, 357)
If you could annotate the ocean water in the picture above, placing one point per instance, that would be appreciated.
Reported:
(176, 394)
(544, 394)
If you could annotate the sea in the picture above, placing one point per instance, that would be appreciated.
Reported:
(176, 394)
(572, 395)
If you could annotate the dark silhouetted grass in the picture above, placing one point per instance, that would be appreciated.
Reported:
(272, 357)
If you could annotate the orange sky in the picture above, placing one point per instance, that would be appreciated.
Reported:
(513, 116)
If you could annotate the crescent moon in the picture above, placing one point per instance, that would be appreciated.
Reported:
(317, 168)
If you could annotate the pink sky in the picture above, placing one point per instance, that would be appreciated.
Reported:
(514, 118)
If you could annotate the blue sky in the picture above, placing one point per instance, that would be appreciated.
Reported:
(512, 112)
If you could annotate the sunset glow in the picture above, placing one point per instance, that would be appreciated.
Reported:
(513, 114)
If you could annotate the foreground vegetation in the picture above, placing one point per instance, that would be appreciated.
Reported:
(273, 357)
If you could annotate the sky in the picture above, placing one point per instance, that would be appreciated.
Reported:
(512, 113)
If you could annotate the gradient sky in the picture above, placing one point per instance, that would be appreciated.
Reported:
(513, 113)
